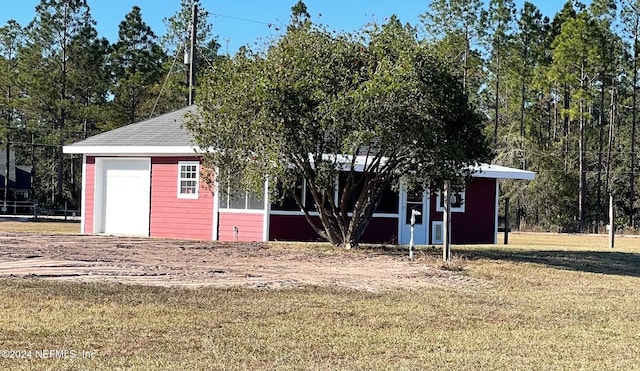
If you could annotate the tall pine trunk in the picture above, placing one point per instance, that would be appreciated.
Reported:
(634, 117)
(600, 150)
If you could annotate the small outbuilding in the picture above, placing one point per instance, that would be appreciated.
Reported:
(18, 183)
(144, 179)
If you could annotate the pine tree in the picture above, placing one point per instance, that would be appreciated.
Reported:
(51, 56)
(497, 28)
(136, 62)
(603, 13)
(10, 40)
(453, 27)
(631, 21)
(176, 41)
(575, 65)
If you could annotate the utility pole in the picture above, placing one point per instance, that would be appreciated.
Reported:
(192, 54)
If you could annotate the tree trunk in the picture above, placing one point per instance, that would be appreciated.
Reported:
(634, 109)
(612, 120)
(582, 188)
(523, 97)
(497, 108)
(600, 150)
(7, 163)
(566, 129)
(62, 124)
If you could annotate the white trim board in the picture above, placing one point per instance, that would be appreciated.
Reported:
(501, 172)
(145, 151)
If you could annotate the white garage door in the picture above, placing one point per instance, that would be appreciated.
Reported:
(126, 196)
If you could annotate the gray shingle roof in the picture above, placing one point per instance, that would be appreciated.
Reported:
(160, 131)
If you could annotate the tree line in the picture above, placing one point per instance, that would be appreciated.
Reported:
(559, 95)
(560, 98)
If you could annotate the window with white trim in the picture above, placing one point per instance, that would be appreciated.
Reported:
(457, 201)
(242, 200)
(188, 179)
(288, 203)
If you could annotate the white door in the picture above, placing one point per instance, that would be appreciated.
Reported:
(414, 201)
(126, 196)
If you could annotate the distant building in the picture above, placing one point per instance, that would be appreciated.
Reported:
(19, 178)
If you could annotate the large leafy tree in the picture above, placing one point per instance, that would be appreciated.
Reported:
(378, 109)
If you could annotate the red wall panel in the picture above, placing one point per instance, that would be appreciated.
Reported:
(173, 217)
(296, 228)
(249, 226)
(89, 190)
(476, 225)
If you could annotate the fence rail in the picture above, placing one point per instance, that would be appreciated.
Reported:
(28, 208)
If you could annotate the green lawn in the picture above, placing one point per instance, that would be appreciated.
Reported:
(545, 302)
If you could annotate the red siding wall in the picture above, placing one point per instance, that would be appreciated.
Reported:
(175, 217)
(296, 228)
(89, 189)
(250, 226)
(476, 225)
(381, 230)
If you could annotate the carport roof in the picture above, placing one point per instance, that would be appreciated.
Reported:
(163, 134)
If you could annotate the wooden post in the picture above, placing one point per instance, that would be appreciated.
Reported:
(612, 223)
(446, 222)
(506, 220)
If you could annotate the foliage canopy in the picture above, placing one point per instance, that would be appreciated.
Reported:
(376, 107)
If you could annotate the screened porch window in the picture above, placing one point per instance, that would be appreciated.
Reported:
(188, 179)
(242, 200)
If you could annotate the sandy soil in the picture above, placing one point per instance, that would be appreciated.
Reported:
(196, 263)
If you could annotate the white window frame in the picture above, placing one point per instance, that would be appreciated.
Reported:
(225, 203)
(459, 209)
(196, 194)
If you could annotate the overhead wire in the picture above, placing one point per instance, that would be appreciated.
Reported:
(166, 79)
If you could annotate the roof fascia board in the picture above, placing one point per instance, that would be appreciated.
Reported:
(504, 175)
(132, 150)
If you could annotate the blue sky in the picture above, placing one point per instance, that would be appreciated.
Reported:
(240, 22)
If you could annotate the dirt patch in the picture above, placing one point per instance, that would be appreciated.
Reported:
(197, 263)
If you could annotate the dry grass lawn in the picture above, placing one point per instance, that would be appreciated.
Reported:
(48, 226)
(550, 302)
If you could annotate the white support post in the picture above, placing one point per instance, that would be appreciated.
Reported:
(446, 222)
(612, 223)
(414, 212)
